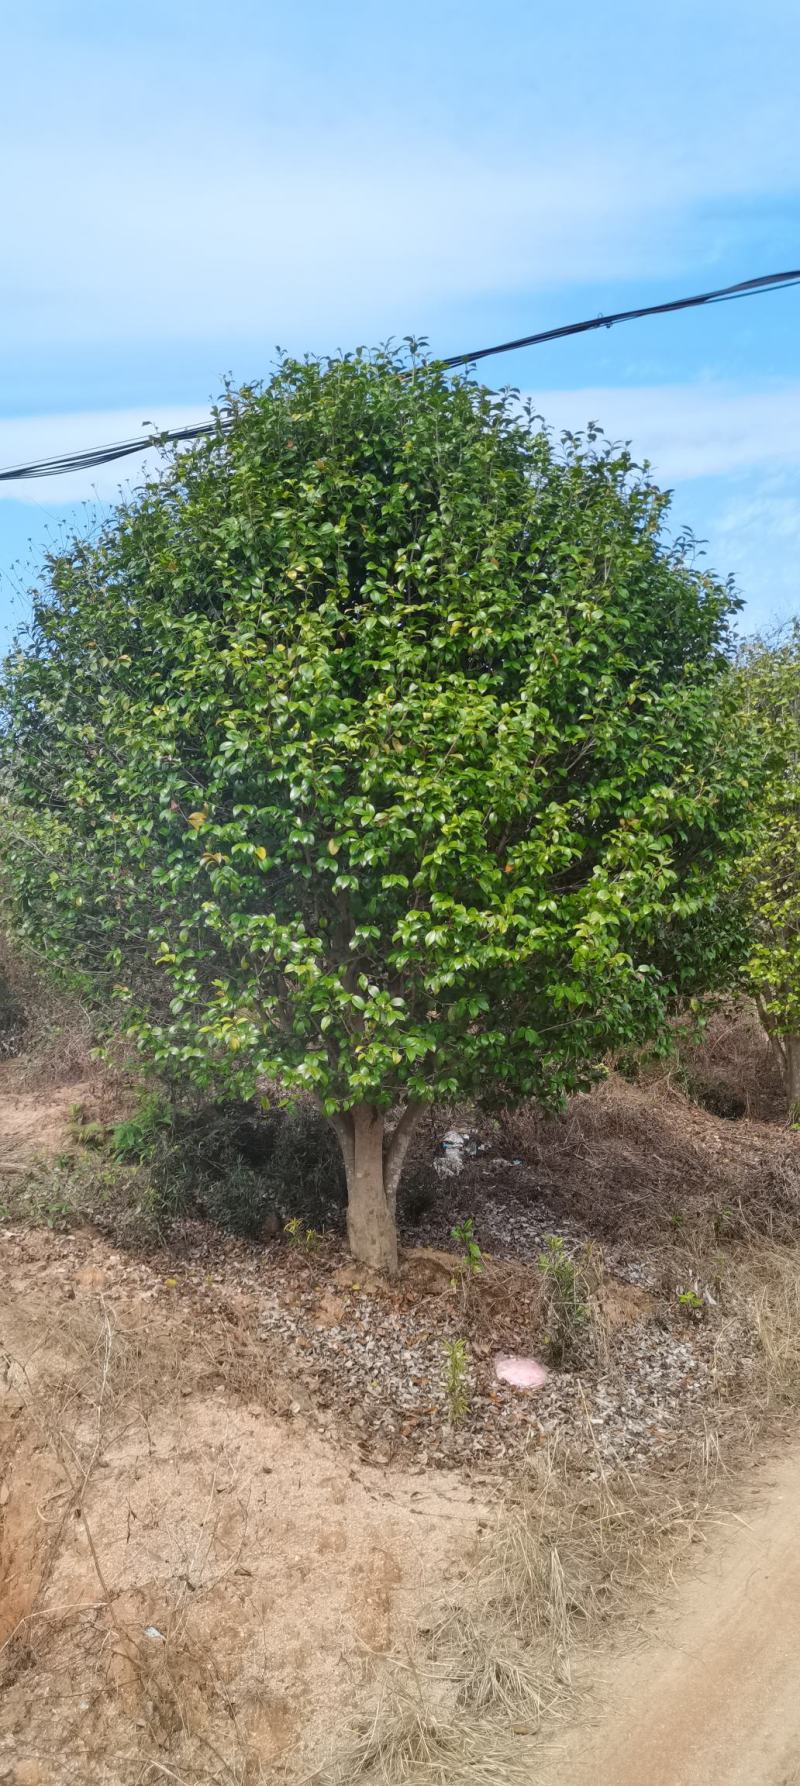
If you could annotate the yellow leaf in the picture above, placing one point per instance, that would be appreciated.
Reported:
(261, 852)
(334, 846)
(197, 819)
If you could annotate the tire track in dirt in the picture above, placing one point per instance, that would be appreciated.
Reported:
(716, 1698)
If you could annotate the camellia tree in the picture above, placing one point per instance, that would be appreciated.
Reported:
(770, 677)
(379, 749)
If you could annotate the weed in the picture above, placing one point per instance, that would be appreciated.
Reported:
(471, 1256)
(84, 1130)
(726, 1223)
(298, 1235)
(470, 1263)
(567, 1299)
(692, 1304)
(57, 1214)
(456, 1379)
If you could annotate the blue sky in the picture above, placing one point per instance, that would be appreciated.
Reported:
(187, 185)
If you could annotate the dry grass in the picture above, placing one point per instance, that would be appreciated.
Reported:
(413, 1747)
(78, 1391)
(573, 1548)
(575, 1552)
(644, 1161)
(47, 1030)
(732, 1071)
(767, 1281)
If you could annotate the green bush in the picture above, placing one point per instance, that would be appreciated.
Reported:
(770, 681)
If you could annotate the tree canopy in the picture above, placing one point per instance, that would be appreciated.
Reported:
(379, 747)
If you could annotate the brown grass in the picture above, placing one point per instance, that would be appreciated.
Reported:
(48, 1034)
(642, 1161)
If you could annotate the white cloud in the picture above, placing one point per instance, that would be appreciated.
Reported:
(757, 530)
(688, 431)
(373, 235)
(368, 234)
(334, 179)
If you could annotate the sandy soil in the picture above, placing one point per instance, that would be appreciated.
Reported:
(33, 1125)
(185, 1574)
(715, 1695)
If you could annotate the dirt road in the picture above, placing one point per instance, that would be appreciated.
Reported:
(715, 1699)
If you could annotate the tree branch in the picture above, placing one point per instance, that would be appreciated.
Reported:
(395, 1148)
(342, 1126)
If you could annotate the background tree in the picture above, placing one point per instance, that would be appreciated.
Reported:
(379, 749)
(770, 672)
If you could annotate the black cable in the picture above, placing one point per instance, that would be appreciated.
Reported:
(43, 468)
(746, 289)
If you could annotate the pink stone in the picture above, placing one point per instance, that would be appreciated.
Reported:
(524, 1373)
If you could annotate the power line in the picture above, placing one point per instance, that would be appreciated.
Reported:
(747, 288)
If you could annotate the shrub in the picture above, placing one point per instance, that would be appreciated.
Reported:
(235, 1166)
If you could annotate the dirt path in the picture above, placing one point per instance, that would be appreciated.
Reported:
(717, 1697)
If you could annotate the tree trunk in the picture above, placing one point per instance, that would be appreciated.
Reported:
(786, 1049)
(791, 1048)
(373, 1161)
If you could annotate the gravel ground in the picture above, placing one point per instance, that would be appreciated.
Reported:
(514, 1218)
(365, 1360)
(378, 1367)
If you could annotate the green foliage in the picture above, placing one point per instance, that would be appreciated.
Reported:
(471, 1256)
(692, 1304)
(567, 1299)
(136, 1136)
(770, 677)
(456, 1379)
(298, 1235)
(379, 748)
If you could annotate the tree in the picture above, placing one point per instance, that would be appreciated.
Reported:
(379, 748)
(770, 673)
